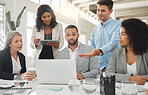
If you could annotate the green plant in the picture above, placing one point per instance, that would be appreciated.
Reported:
(11, 24)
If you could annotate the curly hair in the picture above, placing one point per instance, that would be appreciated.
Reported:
(39, 23)
(137, 32)
(108, 3)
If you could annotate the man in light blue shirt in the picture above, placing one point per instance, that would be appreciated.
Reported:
(104, 37)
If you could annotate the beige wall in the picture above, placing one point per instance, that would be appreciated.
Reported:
(85, 27)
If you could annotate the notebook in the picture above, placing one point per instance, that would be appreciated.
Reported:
(15, 91)
(6, 84)
(58, 71)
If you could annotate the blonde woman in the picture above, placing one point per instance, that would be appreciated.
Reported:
(12, 62)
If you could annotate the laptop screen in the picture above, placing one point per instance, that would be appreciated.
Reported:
(58, 71)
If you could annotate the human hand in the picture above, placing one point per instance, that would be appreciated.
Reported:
(80, 76)
(55, 45)
(16, 73)
(140, 80)
(28, 75)
(93, 53)
(36, 41)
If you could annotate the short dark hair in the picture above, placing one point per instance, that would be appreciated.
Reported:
(108, 3)
(137, 32)
(39, 23)
(71, 26)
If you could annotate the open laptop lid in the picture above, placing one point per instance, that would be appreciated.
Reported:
(58, 71)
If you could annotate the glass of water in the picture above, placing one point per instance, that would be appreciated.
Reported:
(74, 85)
(129, 88)
(18, 81)
(89, 85)
(98, 86)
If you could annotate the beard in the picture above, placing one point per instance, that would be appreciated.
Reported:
(72, 44)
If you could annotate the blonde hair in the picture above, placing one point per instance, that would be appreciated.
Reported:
(9, 37)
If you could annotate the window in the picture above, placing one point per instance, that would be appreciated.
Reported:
(2, 27)
(64, 7)
(81, 38)
(56, 5)
(41, 1)
(30, 23)
(35, 1)
(45, 2)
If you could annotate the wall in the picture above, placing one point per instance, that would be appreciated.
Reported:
(85, 27)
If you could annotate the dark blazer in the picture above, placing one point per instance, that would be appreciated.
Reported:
(6, 67)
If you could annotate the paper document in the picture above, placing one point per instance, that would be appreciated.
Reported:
(6, 83)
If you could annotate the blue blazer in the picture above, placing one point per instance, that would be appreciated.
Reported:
(6, 67)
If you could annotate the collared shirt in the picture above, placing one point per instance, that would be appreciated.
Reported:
(73, 54)
(106, 38)
(16, 65)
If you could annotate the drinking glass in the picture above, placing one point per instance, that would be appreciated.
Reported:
(74, 85)
(129, 88)
(98, 85)
(32, 70)
(18, 81)
(89, 85)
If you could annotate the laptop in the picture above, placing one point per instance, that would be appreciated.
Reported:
(57, 71)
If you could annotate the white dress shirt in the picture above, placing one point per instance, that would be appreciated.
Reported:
(73, 54)
(16, 65)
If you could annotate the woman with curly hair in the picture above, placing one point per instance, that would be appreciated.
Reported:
(46, 28)
(130, 63)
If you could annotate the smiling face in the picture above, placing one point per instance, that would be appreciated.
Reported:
(123, 38)
(46, 18)
(103, 12)
(16, 43)
(71, 35)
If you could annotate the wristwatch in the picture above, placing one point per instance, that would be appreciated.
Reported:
(101, 52)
